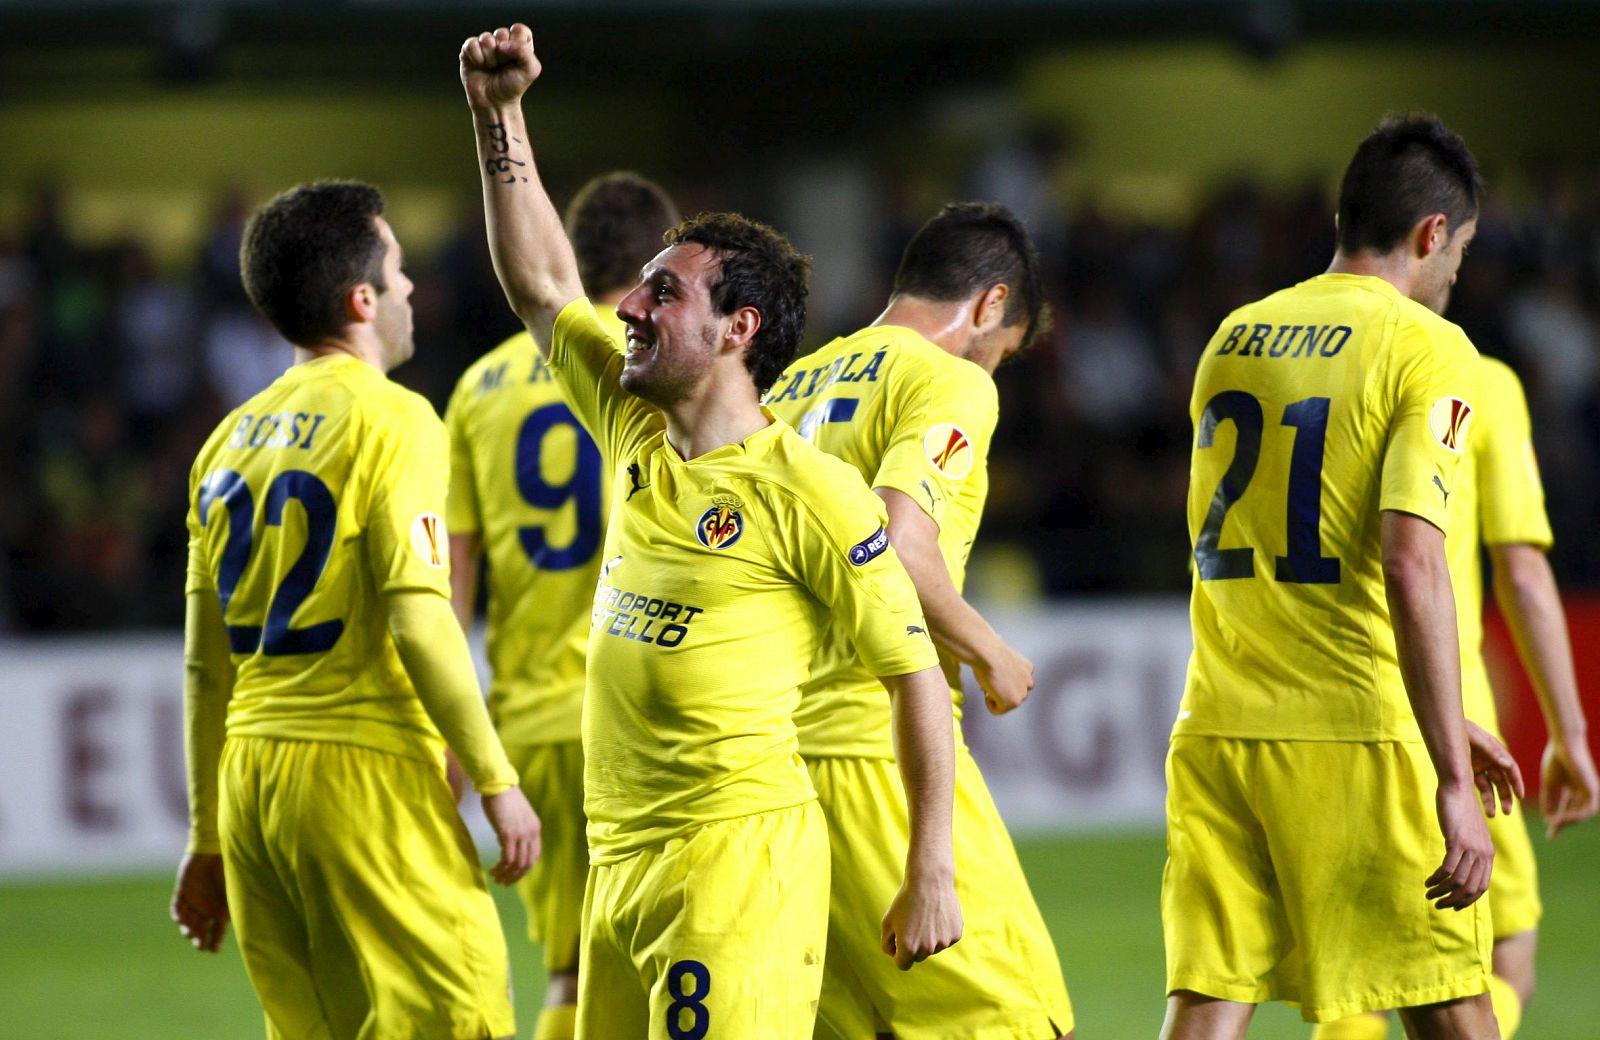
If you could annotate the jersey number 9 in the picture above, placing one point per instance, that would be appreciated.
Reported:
(582, 489)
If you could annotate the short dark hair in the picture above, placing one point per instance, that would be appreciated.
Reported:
(304, 250)
(968, 248)
(615, 223)
(760, 269)
(1409, 168)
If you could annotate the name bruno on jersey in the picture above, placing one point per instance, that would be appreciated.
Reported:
(1307, 340)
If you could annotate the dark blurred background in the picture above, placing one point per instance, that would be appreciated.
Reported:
(1173, 160)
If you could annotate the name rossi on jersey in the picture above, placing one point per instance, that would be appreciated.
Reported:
(642, 617)
(276, 430)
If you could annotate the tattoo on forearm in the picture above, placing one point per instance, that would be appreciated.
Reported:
(501, 161)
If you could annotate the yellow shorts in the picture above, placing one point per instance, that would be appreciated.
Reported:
(1295, 872)
(717, 934)
(552, 778)
(1514, 886)
(357, 896)
(1001, 980)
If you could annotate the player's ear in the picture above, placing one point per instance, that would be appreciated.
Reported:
(361, 303)
(990, 311)
(1431, 234)
(743, 324)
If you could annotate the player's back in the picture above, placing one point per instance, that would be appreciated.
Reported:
(1314, 410)
(300, 521)
(909, 416)
(529, 480)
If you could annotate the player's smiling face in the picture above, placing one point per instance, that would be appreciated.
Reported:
(672, 325)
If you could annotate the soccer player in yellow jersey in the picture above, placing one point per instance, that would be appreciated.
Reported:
(726, 560)
(1499, 501)
(324, 666)
(909, 401)
(528, 489)
(1326, 842)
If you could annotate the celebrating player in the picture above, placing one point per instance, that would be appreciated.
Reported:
(1326, 845)
(319, 627)
(909, 401)
(1499, 500)
(528, 485)
(731, 548)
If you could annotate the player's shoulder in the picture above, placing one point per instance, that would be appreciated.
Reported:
(900, 358)
(1498, 379)
(513, 349)
(514, 363)
(386, 409)
(799, 470)
(1436, 326)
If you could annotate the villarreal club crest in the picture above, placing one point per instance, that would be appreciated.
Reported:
(722, 524)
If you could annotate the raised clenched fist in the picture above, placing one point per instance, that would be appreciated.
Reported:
(498, 67)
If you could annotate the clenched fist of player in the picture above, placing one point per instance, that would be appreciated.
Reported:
(498, 67)
(924, 918)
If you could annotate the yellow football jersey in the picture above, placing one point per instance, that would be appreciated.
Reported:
(311, 501)
(909, 416)
(1314, 410)
(721, 573)
(527, 478)
(1499, 499)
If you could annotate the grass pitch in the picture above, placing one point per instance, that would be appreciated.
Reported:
(99, 958)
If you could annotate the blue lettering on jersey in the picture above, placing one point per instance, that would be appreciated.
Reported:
(1285, 340)
(865, 551)
(839, 370)
(492, 377)
(1343, 333)
(641, 617)
(1280, 342)
(1231, 344)
(276, 430)
(790, 392)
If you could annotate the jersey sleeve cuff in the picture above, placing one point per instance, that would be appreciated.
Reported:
(203, 845)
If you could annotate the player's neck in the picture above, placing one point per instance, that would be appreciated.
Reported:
(1396, 268)
(704, 422)
(947, 324)
(362, 348)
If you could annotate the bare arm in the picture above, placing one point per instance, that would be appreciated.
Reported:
(465, 551)
(956, 626)
(1525, 588)
(1422, 609)
(925, 916)
(531, 253)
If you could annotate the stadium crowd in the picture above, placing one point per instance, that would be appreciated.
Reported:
(115, 368)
